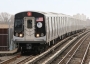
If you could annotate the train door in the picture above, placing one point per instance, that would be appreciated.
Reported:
(29, 28)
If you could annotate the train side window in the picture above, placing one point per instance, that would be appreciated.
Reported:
(48, 28)
(47, 21)
(64, 22)
(55, 26)
(51, 19)
(56, 18)
(61, 21)
(29, 23)
(52, 25)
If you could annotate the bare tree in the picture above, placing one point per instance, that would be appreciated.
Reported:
(5, 17)
(12, 19)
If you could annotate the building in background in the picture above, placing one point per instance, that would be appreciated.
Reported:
(80, 16)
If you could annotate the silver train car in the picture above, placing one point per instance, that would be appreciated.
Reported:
(34, 30)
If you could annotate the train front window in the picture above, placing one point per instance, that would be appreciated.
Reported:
(18, 24)
(29, 23)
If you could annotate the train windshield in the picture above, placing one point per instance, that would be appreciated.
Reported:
(18, 25)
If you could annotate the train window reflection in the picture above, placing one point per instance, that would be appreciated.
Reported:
(18, 24)
(29, 23)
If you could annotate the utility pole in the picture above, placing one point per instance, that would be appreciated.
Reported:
(9, 31)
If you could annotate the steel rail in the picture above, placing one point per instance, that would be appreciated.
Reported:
(75, 52)
(11, 59)
(70, 50)
(82, 62)
(49, 50)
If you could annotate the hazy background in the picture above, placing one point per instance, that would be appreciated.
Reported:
(69, 7)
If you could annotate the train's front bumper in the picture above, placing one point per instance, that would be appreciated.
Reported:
(29, 41)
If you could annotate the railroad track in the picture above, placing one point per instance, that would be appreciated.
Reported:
(48, 56)
(87, 56)
(25, 60)
(11, 58)
(79, 55)
(65, 57)
(21, 60)
(17, 59)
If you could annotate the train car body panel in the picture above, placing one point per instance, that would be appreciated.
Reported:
(29, 28)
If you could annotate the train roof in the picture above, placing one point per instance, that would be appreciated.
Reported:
(51, 14)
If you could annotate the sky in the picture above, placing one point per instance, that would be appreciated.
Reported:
(69, 7)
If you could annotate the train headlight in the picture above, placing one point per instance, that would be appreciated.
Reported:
(39, 24)
(20, 35)
(37, 35)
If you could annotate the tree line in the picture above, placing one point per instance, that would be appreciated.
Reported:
(5, 18)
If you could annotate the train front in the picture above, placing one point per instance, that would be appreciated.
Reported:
(29, 30)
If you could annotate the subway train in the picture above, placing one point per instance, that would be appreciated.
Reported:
(34, 31)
